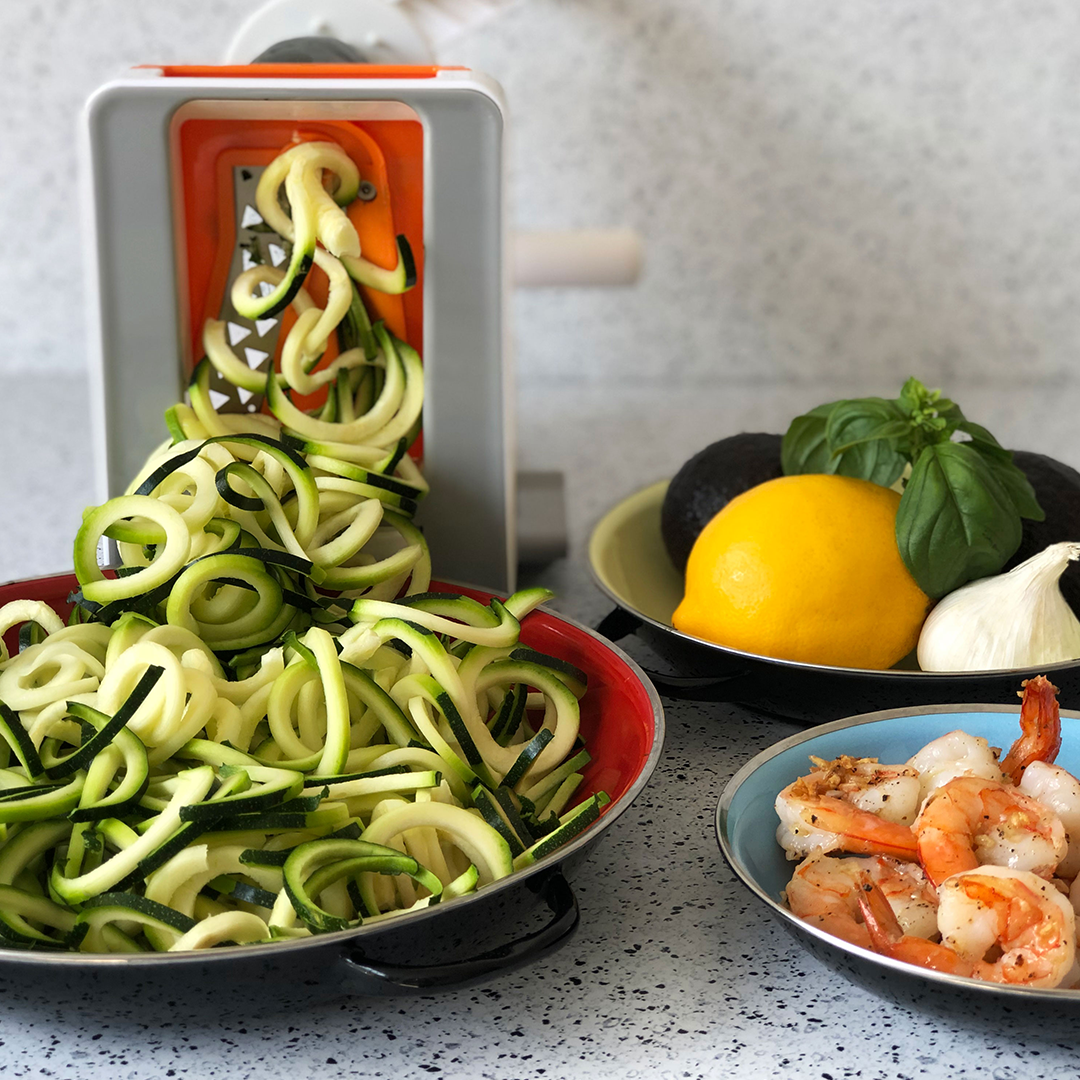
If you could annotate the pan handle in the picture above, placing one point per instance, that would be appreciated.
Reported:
(619, 623)
(733, 687)
(405, 978)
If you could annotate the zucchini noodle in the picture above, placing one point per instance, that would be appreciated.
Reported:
(260, 725)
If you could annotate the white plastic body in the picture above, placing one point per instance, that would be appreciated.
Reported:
(134, 273)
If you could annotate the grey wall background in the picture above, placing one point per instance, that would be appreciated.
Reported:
(829, 192)
(833, 195)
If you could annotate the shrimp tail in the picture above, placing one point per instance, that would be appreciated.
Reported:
(861, 832)
(888, 938)
(878, 916)
(1040, 728)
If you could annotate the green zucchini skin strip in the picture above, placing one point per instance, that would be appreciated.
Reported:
(568, 715)
(299, 474)
(483, 846)
(80, 758)
(162, 472)
(396, 281)
(17, 905)
(572, 823)
(16, 737)
(273, 787)
(494, 627)
(574, 677)
(487, 806)
(264, 623)
(354, 331)
(527, 757)
(169, 559)
(54, 802)
(128, 792)
(195, 784)
(300, 262)
(98, 911)
(391, 417)
(510, 715)
(344, 858)
(389, 713)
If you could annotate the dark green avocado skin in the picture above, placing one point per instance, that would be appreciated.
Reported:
(1057, 487)
(709, 481)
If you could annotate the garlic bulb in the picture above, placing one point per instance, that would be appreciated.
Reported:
(1014, 620)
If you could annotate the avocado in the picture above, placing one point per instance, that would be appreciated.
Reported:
(1057, 487)
(709, 481)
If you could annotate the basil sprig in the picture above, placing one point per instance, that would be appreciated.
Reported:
(959, 515)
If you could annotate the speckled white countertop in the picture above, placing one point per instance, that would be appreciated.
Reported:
(676, 972)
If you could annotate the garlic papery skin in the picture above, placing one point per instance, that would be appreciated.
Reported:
(1014, 620)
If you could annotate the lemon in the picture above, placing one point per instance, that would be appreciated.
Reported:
(805, 568)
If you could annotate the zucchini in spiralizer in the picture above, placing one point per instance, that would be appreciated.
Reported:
(399, 279)
(313, 160)
(261, 725)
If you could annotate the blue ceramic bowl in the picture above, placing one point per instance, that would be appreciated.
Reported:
(746, 822)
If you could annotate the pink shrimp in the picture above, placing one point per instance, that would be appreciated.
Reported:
(819, 812)
(888, 938)
(1040, 727)
(824, 891)
(970, 822)
(998, 925)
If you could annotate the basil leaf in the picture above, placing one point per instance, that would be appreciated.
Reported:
(862, 437)
(1009, 475)
(984, 442)
(1015, 482)
(956, 521)
(804, 448)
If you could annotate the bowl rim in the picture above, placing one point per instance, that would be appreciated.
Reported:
(723, 807)
(757, 658)
(338, 938)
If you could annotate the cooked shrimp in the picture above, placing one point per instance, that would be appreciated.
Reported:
(971, 822)
(818, 812)
(890, 791)
(953, 755)
(997, 924)
(888, 938)
(1040, 728)
(1057, 789)
(824, 891)
(910, 894)
(1019, 913)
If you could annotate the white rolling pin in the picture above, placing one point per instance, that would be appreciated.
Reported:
(573, 257)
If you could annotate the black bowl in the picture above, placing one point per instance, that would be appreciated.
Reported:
(630, 564)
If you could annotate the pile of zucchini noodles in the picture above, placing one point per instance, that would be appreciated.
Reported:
(263, 725)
